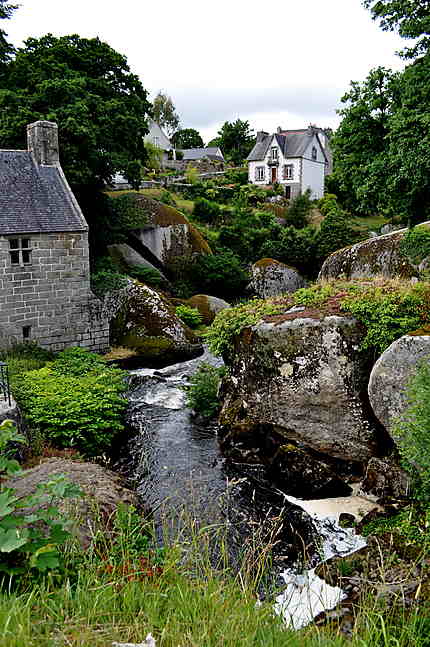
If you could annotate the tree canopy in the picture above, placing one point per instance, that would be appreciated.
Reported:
(165, 113)
(382, 147)
(411, 18)
(87, 88)
(187, 138)
(235, 140)
(6, 10)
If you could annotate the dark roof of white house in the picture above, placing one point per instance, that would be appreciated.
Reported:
(35, 198)
(199, 153)
(292, 144)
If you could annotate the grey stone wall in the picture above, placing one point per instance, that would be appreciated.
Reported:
(49, 300)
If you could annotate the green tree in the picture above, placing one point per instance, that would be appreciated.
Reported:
(187, 138)
(235, 140)
(333, 234)
(154, 156)
(6, 49)
(87, 88)
(411, 18)
(165, 113)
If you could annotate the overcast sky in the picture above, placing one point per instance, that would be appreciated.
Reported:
(279, 63)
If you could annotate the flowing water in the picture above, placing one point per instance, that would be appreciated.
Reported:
(183, 479)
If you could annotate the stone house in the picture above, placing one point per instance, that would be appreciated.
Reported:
(296, 159)
(45, 291)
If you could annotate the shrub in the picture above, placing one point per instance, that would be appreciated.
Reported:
(192, 175)
(190, 316)
(219, 274)
(206, 210)
(202, 391)
(328, 203)
(76, 401)
(166, 198)
(415, 245)
(299, 210)
(334, 234)
(31, 527)
(147, 275)
(107, 281)
(412, 430)
(294, 247)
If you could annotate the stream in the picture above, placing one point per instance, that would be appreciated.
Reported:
(174, 460)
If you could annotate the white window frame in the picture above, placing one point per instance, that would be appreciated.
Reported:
(288, 172)
(20, 251)
(274, 153)
(260, 173)
(314, 153)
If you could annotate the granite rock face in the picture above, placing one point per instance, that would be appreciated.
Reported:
(300, 379)
(126, 257)
(373, 257)
(271, 278)
(390, 376)
(146, 322)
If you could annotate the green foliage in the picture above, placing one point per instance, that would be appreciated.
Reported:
(206, 210)
(219, 274)
(147, 275)
(389, 314)
(31, 527)
(415, 245)
(190, 316)
(154, 156)
(411, 524)
(410, 18)
(293, 247)
(187, 138)
(87, 88)
(191, 175)
(230, 322)
(412, 431)
(235, 140)
(299, 210)
(165, 113)
(166, 198)
(334, 233)
(106, 277)
(76, 401)
(202, 390)
(6, 49)
(327, 203)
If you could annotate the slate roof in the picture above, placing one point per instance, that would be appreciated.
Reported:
(200, 153)
(292, 144)
(35, 198)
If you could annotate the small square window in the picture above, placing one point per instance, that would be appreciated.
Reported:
(26, 332)
(20, 251)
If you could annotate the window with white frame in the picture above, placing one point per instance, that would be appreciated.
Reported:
(274, 153)
(20, 251)
(259, 173)
(288, 173)
(314, 153)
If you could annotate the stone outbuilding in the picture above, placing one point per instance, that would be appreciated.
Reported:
(45, 291)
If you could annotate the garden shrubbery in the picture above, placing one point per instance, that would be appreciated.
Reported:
(75, 401)
(202, 390)
(190, 316)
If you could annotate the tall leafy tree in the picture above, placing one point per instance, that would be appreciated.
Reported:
(165, 113)
(6, 10)
(411, 18)
(235, 140)
(187, 138)
(87, 88)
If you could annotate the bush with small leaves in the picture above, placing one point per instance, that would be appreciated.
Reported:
(190, 316)
(202, 390)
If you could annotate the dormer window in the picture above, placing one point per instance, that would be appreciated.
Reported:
(20, 251)
(314, 153)
(274, 153)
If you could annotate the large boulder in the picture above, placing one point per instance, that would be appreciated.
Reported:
(298, 377)
(208, 306)
(168, 234)
(146, 322)
(271, 278)
(102, 492)
(392, 372)
(373, 257)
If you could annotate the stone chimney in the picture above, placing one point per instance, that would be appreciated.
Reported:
(261, 135)
(42, 141)
(279, 130)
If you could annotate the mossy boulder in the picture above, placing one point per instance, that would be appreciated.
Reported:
(208, 306)
(168, 234)
(146, 322)
(271, 278)
(379, 256)
(300, 379)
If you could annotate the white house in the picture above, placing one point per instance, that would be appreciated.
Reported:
(296, 159)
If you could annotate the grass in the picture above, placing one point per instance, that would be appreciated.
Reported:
(369, 223)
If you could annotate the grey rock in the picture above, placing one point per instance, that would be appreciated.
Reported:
(301, 379)
(271, 278)
(389, 228)
(385, 480)
(390, 376)
(127, 257)
(208, 306)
